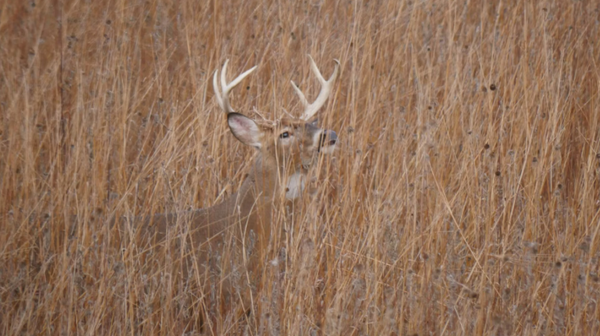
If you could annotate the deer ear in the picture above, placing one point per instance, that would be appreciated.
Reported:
(245, 129)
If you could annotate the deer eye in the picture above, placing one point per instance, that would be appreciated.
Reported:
(284, 135)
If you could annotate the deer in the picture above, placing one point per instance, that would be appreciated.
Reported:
(285, 151)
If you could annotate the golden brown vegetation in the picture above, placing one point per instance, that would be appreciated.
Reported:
(464, 200)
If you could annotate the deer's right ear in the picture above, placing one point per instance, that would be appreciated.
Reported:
(245, 129)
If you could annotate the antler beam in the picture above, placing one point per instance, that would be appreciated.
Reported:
(326, 88)
(222, 95)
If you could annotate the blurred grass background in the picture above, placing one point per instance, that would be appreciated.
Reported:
(464, 198)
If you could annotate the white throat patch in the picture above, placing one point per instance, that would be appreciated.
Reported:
(295, 186)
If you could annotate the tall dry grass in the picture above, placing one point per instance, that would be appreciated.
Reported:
(464, 200)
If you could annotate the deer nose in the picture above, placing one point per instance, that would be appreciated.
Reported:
(332, 137)
(328, 138)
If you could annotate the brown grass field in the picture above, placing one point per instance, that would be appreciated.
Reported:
(464, 197)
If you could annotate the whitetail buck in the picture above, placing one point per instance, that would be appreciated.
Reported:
(286, 150)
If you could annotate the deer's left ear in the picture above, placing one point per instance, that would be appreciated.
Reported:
(245, 129)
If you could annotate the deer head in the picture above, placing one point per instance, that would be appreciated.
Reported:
(289, 146)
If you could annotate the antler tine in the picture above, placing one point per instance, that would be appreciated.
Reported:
(222, 95)
(326, 86)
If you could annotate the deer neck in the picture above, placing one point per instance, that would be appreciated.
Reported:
(256, 193)
(260, 186)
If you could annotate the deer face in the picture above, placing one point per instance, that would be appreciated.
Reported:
(288, 147)
(298, 142)
(291, 145)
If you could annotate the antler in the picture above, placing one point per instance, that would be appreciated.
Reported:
(326, 86)
(223, 96)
